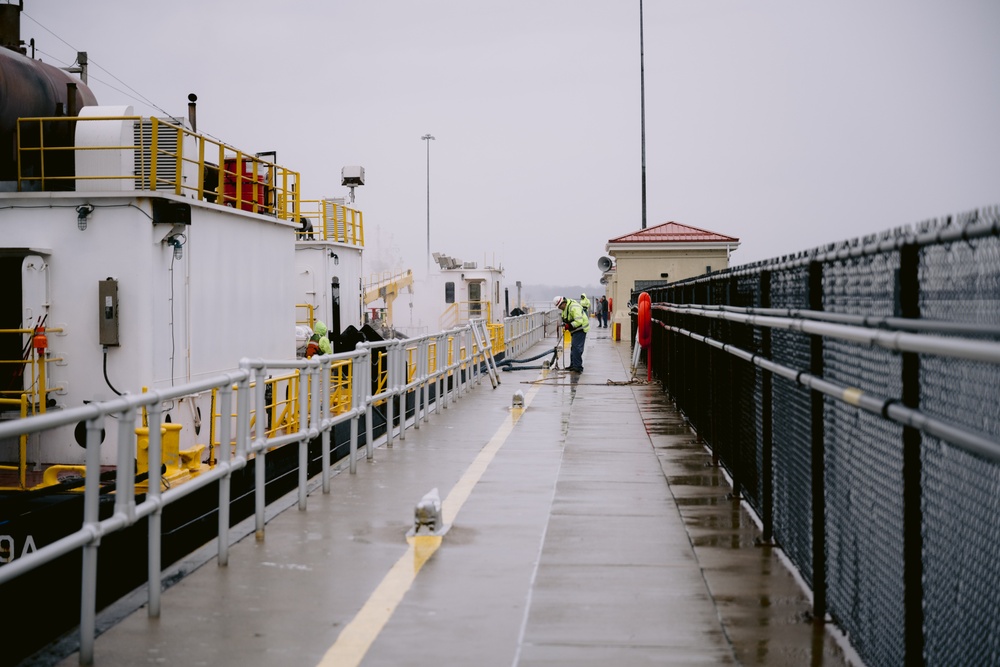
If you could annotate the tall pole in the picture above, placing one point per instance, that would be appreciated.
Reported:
(642, 104)
(428, 138)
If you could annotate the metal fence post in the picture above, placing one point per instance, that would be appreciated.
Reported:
(733, 424)
(766, 418)
(818, 454)
(913, 569)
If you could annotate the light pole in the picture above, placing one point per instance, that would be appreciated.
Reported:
(642, 107)
(428, 138)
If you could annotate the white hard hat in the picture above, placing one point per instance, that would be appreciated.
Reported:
(556, 301)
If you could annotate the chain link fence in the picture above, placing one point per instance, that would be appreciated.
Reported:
(851, 392)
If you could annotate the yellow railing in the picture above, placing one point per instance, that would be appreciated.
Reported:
(386, 283)
(22, 444)
(282, 404)
(328, 220)
(310, 314)
(163, 155)
(30, 366)
(497, 341)
(281, 409)
(459, 313)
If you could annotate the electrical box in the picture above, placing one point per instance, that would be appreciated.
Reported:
(108, 294)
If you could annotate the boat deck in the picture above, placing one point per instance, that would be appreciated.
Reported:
(592, 529)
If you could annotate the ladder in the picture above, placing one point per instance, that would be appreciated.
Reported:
(481, 334)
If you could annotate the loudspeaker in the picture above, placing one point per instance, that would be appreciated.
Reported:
(604, 264)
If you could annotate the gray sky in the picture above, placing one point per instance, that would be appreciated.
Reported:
(788, 124)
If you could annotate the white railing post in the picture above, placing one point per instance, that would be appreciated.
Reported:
(391, 382)
(260, 450)
(306, 375)
(357, 364)
(154, 484)
(440, 369)
(225, 430)
(369, 445)
(91, 521)
(324, 420)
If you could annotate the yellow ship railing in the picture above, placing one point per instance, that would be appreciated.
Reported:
(448, 358)
(309, 319)
(328, 220)
(461, 313)
(281, 405)
(164, 155)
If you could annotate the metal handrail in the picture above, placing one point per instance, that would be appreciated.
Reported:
(978, 350)
(443, 356)
(331, 221)
(259, 186)
(251, 440)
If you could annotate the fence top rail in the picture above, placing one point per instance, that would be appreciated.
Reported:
(961, 348)
(873, 321)
(968, 226)
(973, 441)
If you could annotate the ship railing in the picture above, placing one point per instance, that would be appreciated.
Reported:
(29, 373)
(310, 315)
(281, 404)
(520, 333)
(163, 157)
(330, 220)
(22, 443)
(461, 313)
(378, 285)
(29, 369)
(441, 375)
(497, 336)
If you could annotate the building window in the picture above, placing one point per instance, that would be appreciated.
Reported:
(449, 292)
(708, 269)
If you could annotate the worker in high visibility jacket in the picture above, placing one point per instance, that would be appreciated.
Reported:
(324, 340)
(585, 304)
(578, 324)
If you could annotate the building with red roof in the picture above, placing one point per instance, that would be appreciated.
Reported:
(664, 253)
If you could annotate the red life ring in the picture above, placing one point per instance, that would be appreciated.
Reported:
(645, 333)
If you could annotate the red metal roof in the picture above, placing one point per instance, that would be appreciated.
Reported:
(674, 232)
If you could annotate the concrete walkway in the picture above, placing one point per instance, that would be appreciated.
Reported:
(590, 530)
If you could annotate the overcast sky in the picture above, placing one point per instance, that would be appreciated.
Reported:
(788, 124)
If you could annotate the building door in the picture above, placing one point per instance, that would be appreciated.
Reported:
(475, 296)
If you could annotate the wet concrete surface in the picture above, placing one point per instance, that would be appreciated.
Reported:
(764, 608)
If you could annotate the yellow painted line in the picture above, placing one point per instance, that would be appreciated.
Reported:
(358, 635)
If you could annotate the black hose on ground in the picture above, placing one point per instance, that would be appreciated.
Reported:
(508, 364)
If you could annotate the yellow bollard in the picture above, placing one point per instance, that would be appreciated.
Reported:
(172, 448)
(142, 447)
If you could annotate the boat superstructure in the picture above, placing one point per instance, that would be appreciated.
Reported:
(141, 275)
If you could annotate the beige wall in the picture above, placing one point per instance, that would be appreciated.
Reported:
(647, 264)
